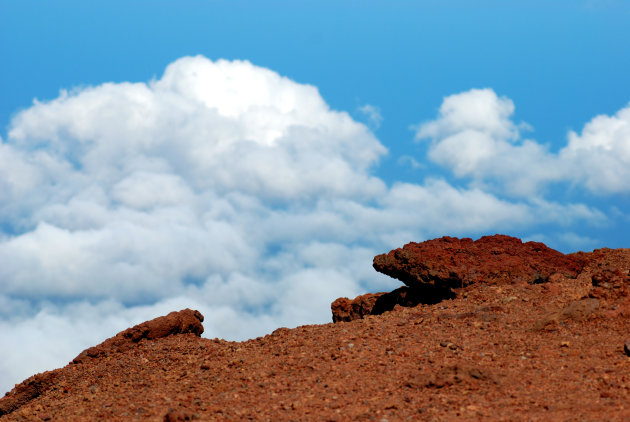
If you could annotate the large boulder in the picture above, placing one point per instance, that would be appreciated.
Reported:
(451, 262)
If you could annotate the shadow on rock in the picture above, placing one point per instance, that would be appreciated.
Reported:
(344, 309)
(406, 297)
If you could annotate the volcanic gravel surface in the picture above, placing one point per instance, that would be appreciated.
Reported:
(554, 350)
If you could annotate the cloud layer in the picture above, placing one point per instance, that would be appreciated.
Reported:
(474, 136)
(226, 187)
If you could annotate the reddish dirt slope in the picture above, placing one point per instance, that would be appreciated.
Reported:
(505, 349)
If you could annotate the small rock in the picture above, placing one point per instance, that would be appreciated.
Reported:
(345, 310)
(178, 415)
(626, 347)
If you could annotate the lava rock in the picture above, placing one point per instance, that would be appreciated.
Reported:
(610, 282)
(345, 310)
(451, 262)
(182, 322)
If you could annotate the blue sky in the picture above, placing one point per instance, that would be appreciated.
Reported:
(331, 131)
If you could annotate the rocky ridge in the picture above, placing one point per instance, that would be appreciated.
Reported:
(432, 269)
(543, 336)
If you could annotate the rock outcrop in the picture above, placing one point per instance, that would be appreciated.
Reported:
(182, 322)
(433, 269)
(451, 262)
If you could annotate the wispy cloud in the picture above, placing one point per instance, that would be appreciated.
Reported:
(373, 114)
(408, 160)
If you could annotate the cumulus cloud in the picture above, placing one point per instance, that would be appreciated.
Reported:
(601, 153)
(221, 186)
(476, 137)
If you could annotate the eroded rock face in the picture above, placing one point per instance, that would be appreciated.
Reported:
(451, 262)
(344, 309)
(182, 322)
(432, 269)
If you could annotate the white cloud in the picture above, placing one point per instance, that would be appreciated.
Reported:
(474, 136)
(221, 186)
(601, 153)
(478, 110)
(373, 114)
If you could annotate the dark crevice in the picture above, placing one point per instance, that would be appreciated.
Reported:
(408, 297)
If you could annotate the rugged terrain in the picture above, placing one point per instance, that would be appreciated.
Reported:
(493, 329)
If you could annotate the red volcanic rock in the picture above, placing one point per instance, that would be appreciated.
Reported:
(609, 271)
(451, 262)
(182, 322)
(344, 309)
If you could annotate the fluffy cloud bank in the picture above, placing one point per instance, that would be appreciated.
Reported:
(225, 187)
(475, 136)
